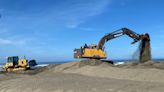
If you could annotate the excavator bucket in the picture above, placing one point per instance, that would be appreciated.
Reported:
(145, 49)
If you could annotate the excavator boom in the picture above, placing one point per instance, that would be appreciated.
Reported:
(123, 31)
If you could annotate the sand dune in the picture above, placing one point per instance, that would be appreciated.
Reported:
(144, 72)
(88, 76)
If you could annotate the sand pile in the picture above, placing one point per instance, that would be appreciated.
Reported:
(146, 65)
(76, 65)
(139, 72)
(88, 76)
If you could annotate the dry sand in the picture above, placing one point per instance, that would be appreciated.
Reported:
(86, 76)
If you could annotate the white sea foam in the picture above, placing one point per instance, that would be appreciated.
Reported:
(41, 65)
(119, 63)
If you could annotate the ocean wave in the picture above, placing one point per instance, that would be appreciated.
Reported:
(41, 65)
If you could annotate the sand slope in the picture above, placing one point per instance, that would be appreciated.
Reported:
(104, 70)
(76, 83)
(87, 76)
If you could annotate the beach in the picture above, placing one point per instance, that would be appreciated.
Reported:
(85, 76)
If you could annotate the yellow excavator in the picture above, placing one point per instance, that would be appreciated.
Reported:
(95, 51)
(15, 64)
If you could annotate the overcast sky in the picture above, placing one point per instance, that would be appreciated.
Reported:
(49, 30)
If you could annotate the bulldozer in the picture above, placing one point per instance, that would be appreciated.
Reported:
(15, 64)
(95, 51)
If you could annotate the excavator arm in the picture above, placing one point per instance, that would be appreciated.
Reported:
(123, 31)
